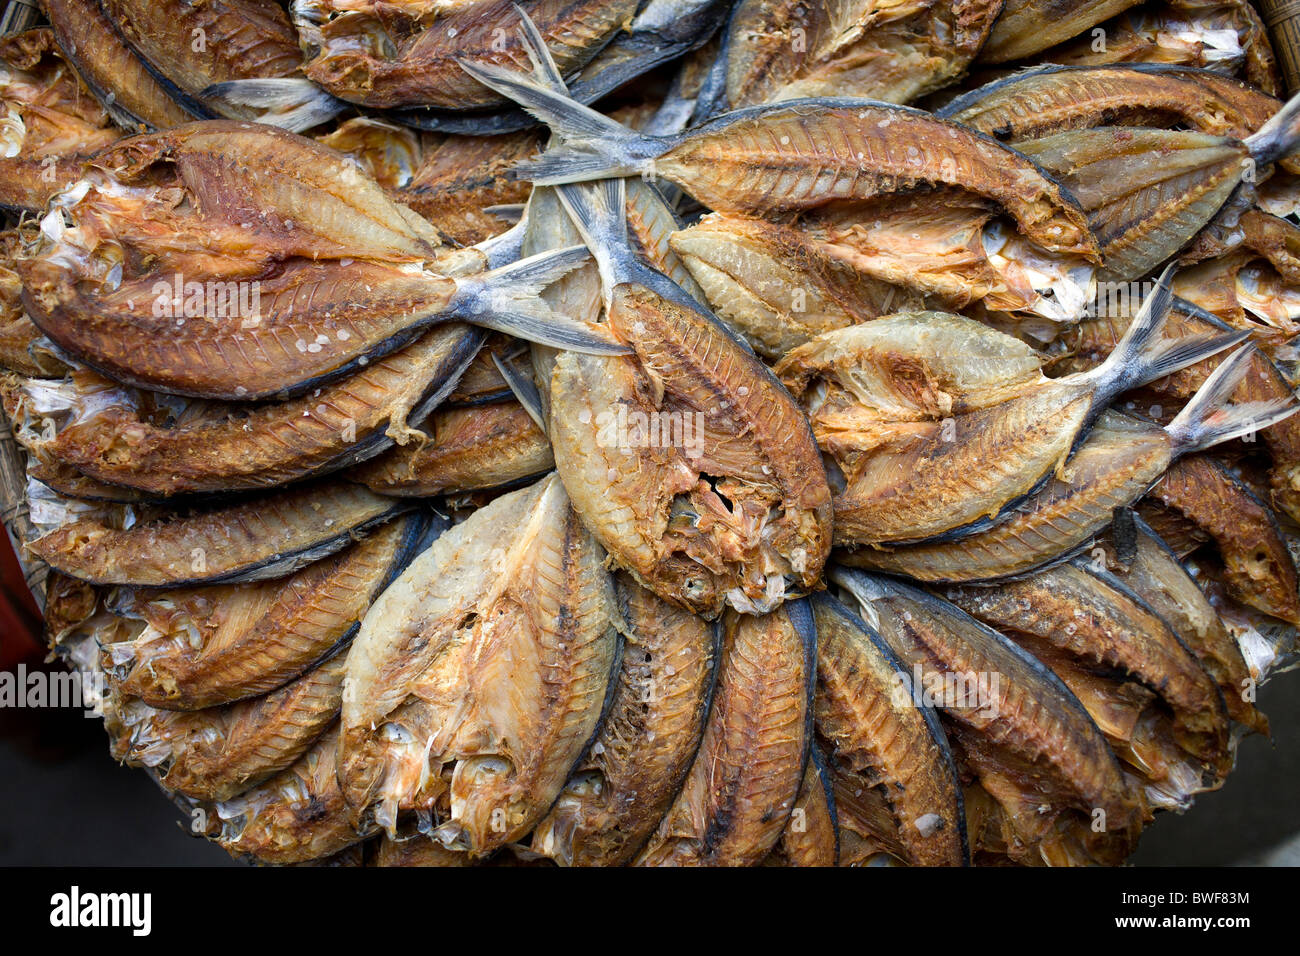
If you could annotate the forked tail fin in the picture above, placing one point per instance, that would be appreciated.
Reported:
(292, 103)
(1280, 136)
(1208, 419)
(1144, 354)
(509, 300)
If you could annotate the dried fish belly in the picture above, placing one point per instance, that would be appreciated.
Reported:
(812, 835)
(480, 675)
(264, 538)
(635, 767)
(212, 645)
(747, 775)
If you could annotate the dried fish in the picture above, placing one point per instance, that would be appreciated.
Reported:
(689, 462)
(1052, 99)
(471, 449)
(743, 784)
(635, 767)
(891, 52)
(111, 433)
(126, 89)
(263, 538)
(1105, 628)
(1259, 569)
(1153, 571)
(386, 55)
(938, 424)
(789, 157)
(206, 646)
(49, 124)
(217, 754)
(1120, 459)
(1030, 26)
(1015, 726)
(880, 733)
(480, 675)
(256, 285)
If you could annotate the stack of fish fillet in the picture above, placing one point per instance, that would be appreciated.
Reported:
(659, 432)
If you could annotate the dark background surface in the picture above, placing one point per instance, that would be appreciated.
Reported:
(64, 801)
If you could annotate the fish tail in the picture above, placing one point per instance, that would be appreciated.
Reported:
(1143, 354)
(599, 211)
(1280, 136)
(292, 103)
(509, 300)
(588, 145)
(1208, 419)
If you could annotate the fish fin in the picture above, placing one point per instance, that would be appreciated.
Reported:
(510, 212)
(292, 103)
(599, 211)
(545, 71)
(1208, 420)
(1143, 354)
(525, 390)
(1280, 136)
(589, 144)
(508, 299)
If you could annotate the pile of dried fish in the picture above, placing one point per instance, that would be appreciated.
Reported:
(837, 446)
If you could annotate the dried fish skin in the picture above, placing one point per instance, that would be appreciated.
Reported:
(1146, 192)
(264, 538)
(624, 786)
(777, 287)
(387, 153)
(382, 56)
(1109, 629)
(746, 777)
(1152, 570)
(1030, 26)
(470, 449)
(1053, 99)
(249, 447)
(1259, 569)
(1028, 741)
(21, 351)
(208, 646)
(297, 815)
(110, 69)
(812, 835)
(190, 46)
(480, 675)
(893, 52)
(50, 125)
(877, 730)
(219, 753)
(416, 851)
